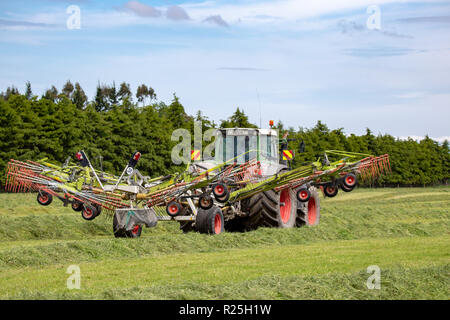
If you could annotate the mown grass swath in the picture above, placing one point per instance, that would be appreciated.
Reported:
(407, 235)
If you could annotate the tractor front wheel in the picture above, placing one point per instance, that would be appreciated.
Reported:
(308, 213)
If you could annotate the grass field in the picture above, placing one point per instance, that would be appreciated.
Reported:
(403, 231)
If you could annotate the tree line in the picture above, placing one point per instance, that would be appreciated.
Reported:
(113, 125)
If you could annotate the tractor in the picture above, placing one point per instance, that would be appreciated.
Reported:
(268, 208)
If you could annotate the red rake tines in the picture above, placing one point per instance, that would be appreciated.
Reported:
(248, 171)
(24, 176)
(18, 178)
(162, 196)
(373, 167)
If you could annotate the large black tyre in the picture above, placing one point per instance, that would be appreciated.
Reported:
(210, 221)
(44, 198)
(308, 213)
(270, 209)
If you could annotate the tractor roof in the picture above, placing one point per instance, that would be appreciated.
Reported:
(248, 131)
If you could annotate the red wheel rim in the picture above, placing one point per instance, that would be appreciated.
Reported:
(217, 224)
(331, 190)
(285, 210)
(205, 202)
(312, 211)
(219, 190)
(303, 194)
(88, 213)
(350, 180)
(173, 209)
(135, 229)
(43, 198)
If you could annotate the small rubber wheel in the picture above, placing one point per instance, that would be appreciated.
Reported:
(346, 189)
(205, 202)
(118, 233)
(223, 199)
(210, 221)
(98, 208)
(89, 212)
(350, 180)
(303, 195)
(77, 205)
(219, 190)
(44, 198)
(330, 190)
(135, 232)
(173, 208)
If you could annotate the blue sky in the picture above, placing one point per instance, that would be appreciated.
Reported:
(307, 60)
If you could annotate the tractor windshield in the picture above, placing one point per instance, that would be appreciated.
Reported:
(243, 145)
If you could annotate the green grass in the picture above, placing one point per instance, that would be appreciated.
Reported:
(403, 231)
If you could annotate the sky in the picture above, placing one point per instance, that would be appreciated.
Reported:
(355, 64)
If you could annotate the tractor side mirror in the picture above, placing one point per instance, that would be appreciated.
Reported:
(301, 147)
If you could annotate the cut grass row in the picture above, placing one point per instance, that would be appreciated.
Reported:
(404, 231)
(396, 283)
(40, 253)
(349, 215)
(45, 239)
(232, 265)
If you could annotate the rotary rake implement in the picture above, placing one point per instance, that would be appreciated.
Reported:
(206, 200)
(207, 196)
(73, 184)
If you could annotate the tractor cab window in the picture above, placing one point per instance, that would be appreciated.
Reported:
(269, 148)
(237, 145)
(242, 145)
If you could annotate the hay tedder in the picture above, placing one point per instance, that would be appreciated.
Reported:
(244, 186)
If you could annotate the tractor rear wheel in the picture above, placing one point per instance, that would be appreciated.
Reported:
(308, 213)
(271, 209)
(210, 220)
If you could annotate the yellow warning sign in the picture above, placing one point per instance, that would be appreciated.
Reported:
(288, 155)
(195, 155)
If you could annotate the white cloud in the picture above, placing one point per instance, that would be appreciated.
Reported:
(143, 10)
(217, 19)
